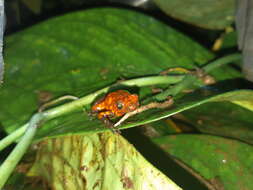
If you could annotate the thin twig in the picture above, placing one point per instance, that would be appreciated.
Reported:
(144, 108)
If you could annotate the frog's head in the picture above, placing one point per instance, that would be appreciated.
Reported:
(132, 103)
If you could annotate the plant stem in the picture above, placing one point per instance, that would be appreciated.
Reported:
(12, 160)
(187, 82)
(189, 79)
(13, 136)
(222, 61)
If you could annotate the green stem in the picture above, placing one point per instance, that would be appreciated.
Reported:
(186, 83)
(222, 61)
(13, 136)
(189, 79)
(12, 160)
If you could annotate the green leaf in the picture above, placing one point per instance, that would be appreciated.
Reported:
(97, 48)
(96, 161)
(216, 14)
(223, 119)
(85, 51)
(225, 163)
(80, 122)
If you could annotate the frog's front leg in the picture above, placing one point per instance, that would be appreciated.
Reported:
(104, 114)
(105, 118)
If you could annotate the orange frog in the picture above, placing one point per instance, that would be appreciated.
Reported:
(115, 104)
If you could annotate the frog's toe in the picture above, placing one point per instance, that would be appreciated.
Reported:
(110, 125)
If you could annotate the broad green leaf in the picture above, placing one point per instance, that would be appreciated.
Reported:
(97, 48)
(96, 161)
(215, 14)
(223, 119)
(225, 163)
(82, 52)
(80, 122)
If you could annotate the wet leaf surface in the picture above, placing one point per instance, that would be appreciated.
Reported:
(226, 163)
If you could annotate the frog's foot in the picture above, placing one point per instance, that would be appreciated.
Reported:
(110, 125)
(91, 115)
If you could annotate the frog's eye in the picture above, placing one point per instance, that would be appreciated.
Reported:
(119, 105)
